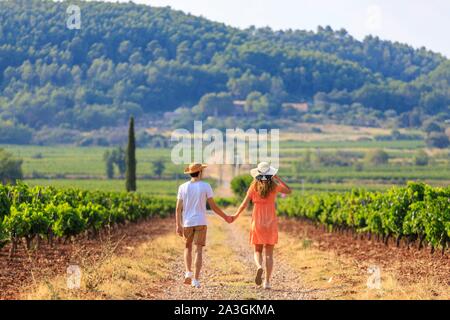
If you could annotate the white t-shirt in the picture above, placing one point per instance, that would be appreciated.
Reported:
(194, 195)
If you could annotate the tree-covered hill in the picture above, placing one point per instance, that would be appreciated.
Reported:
(135, 59)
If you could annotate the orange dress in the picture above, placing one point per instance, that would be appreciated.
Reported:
(264, 229)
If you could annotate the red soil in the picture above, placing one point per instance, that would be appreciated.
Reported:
(17, 274)
(408, 264)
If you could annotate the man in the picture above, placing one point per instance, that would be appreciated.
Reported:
(191, 218)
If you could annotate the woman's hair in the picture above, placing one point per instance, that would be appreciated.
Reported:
(264, 189)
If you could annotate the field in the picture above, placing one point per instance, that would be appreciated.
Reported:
(70, 161)
(84, 166)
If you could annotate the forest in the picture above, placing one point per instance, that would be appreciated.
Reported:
(129, 59)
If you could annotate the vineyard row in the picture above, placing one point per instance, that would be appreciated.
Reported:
(48, 213)
(415, 212)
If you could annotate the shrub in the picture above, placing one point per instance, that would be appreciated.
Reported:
(437, 140)
(377, 157)
(226, 202)
(432, 126)
(10, 168)
(240, 185)
(421, 158)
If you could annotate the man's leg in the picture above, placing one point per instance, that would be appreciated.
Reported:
(188, 257)
(198, 261)
(199, 242)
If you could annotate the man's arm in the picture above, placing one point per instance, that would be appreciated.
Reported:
(179, 217)
(218, 211)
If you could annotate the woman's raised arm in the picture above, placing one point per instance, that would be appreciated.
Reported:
(284, 187)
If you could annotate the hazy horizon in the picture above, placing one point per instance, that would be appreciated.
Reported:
(396, 21)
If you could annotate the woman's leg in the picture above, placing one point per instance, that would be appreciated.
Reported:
(258, 255)
(258, 261)
(269, 261)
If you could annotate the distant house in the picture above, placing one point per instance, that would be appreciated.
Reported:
(298, 106)
(239, 108)
(152, 131)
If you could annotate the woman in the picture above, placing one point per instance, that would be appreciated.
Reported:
(264, 229)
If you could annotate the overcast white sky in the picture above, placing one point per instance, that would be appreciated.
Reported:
(416, 22)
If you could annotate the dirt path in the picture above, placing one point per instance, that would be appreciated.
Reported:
(223, 174)
(228, 271)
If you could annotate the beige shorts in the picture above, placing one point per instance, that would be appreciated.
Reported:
(196, 235)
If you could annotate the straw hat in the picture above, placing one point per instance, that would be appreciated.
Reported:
(194, 167)
(263, 168)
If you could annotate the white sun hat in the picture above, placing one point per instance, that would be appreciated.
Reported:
(264, 168)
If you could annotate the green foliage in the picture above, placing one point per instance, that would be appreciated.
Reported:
(118, 157)
(10, 168)
(108, 164)
(339, 159)
(113, 158)
(414, 211)
(158, 166)
(40, 211)
(4, 237)
(16, 223)
(17, 134)
(69, 221)
(397, 136)
(240, 185)
(257, 103)
(421, 158)
(213, 104)
(94, 214)
(431, 126)
(377, 157)
(226, 202)
(57, 136)
(130, 160)
(130, 59)
(438, 140)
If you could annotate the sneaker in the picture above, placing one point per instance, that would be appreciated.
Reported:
(267, 285)
(258, 278)
(196, 283)
(188, 277)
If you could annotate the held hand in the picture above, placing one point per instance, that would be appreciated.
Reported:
(229, 219)
(180, 230)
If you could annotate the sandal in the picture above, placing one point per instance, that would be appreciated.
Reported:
(258, 279)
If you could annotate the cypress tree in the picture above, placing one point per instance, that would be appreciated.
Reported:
(109, 161)
(131, 159)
